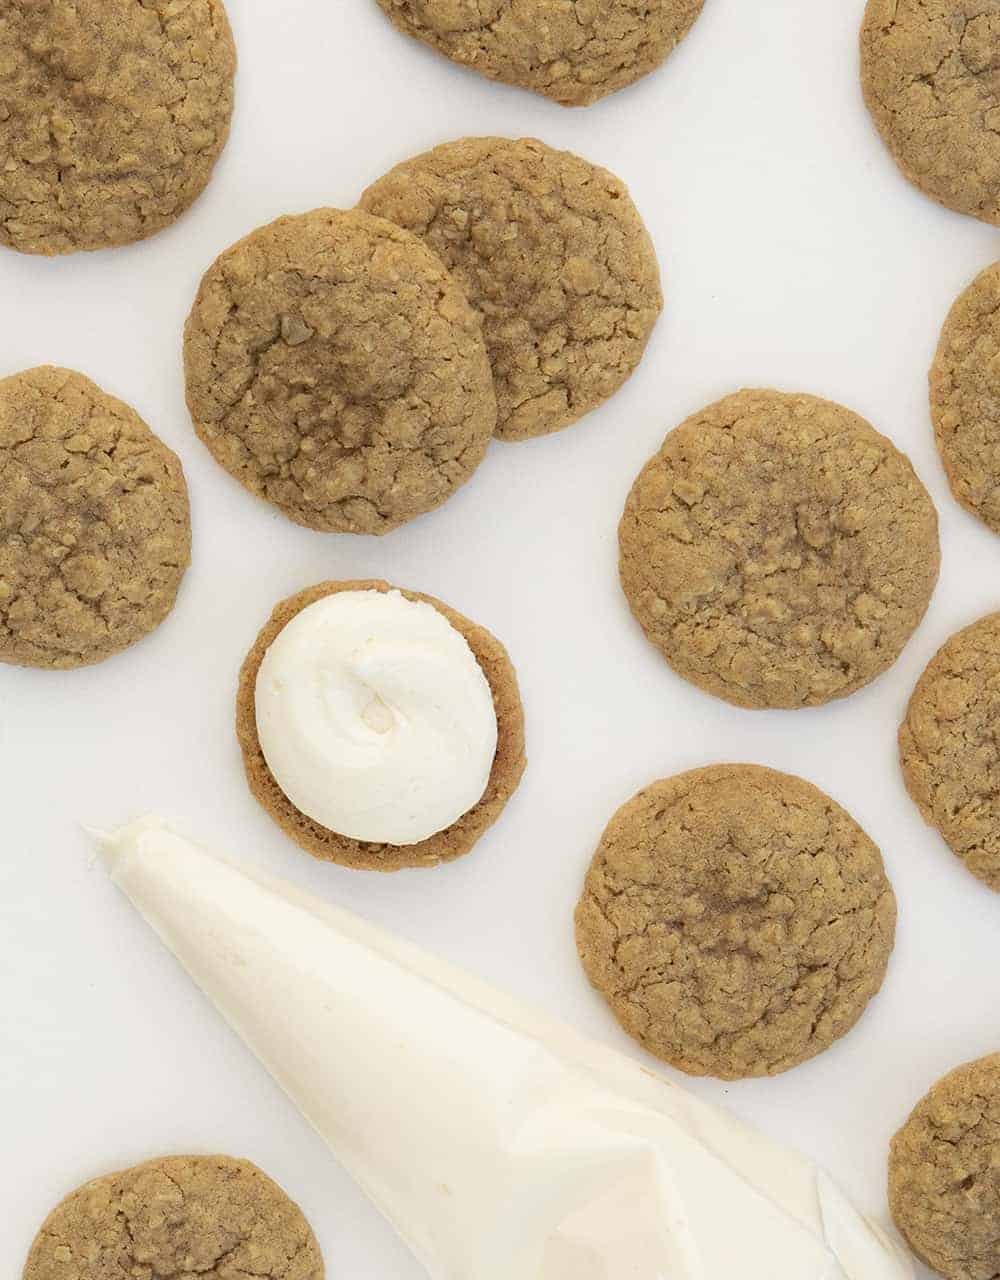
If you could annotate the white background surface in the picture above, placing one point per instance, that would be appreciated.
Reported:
(794, 255)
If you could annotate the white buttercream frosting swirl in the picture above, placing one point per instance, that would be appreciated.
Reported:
(375, 718)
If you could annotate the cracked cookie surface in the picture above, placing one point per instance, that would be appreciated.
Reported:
(737, 920)
(336, 370)
(552, 252)
(778, 550)
(575, 51)
(965, 397)
(330, 846)
(948, 746)
(944, 1174)
(930, 71)
(112, 116)
(180, 1216)
(95, 532)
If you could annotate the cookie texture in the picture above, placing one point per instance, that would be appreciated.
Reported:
(552, 252)
(336, 370)
(112, 116)
(778, 550)
(948, 746)
(737, 920)
(445, 846)
(931, 79)
(965, 396)
(95, 531)
(180, 1216)
(575, 51)
(944, 1174)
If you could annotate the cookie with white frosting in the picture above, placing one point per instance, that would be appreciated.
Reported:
(380, 729)
(112, 117)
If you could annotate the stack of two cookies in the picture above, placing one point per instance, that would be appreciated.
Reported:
(351, 367)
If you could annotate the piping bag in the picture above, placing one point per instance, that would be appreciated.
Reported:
(500, 1144)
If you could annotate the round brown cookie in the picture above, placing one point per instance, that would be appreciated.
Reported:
(552, 252)
(948, 746)
(456, 840)
(931, 78)
(736, 919)
(112, 116)
(575, 51)
(95, 531)
(336, 370)
(965, 397)
(208, 1216)
(778, 550)
(944, 1174)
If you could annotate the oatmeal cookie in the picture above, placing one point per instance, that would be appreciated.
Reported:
(95, 530)
(444, 846)
(552, 252)
(737, 920)
(930, 72)
(948, 746)
(112, 116)
(944, 1174)
(337, 370)
(208, 1216)
(965, 397)
(778, 550)
(575, 51)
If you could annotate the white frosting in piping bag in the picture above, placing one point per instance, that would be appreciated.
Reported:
(500, 1144)
(375, 718)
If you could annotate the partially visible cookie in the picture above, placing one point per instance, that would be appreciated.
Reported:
(931, 79)
(552, 252)
(575, 51)
(330, 846)
(179, 1216)
(95, 531)
(965, 397)
(944, 1174)
(778, 550)
(336, 370)
(737, 920)
(948, 746)
(112, 116)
